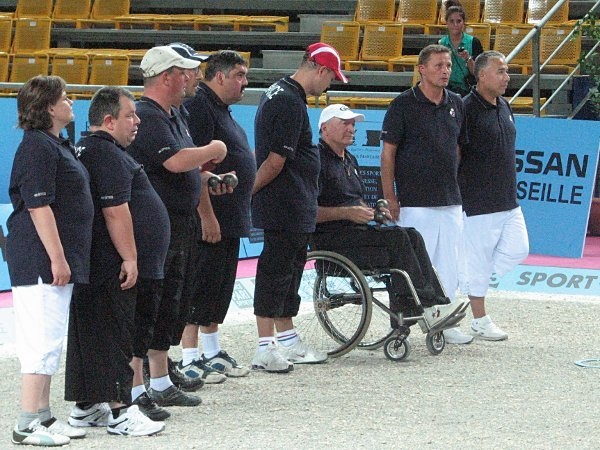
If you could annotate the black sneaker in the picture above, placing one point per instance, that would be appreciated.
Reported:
(182, 381)
(173, 396)
(150, 409)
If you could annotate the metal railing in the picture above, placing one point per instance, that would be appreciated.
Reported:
(534, 79)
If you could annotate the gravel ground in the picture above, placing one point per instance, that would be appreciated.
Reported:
(525, 392)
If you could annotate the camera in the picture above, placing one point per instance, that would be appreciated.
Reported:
(460, 49)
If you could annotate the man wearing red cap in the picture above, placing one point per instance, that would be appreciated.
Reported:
(285, 206)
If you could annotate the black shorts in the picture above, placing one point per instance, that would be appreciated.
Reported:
(184, 231)
(278, 274)
(148, 297)
(100, 341)
(215, 280)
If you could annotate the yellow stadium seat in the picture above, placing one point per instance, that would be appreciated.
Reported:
(31, 35)
(34, 9)
(26, 66)
(279, 24)
(109, 69)
(507, 38)
(3, 67)
(67, 12)
(103, 13)
(343, 36)
(374, 11)
(503, 12)
(537, 9)
(71, 67)
(416, 14)
(381, 42)
(6, 28)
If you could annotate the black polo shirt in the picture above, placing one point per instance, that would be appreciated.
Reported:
(282, 126)
(487, 172)
(210, 118)
(340, 184)
(428, 136)
(116, 178)
(46, 172)
(159, 137)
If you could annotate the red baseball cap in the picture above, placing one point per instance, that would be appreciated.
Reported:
(327, 56)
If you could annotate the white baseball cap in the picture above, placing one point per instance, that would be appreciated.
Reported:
(341, 112)
(158, 59)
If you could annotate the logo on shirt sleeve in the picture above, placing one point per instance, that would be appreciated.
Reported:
(273, 90)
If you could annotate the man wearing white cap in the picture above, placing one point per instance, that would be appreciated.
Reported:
(164, 147)
(285, 206)
(345, 225)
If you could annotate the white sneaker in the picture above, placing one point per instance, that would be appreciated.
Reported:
(436, 315)
(38, 434)
(95, 416)
(133, 423)
(455, 336)
(300, 353)
(484, 328)
(58, 427)
(271, 361)
(225, 364)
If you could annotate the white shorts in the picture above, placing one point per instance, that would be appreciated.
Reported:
(441, 228)
(493, 243)
(41, 315)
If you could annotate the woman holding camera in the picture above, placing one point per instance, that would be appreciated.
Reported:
(464, 48)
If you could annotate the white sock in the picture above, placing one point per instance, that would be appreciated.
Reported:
(210, 344)
(264, 342)
(160, 384)
(189, 355)
(136, 391)
(287, 338)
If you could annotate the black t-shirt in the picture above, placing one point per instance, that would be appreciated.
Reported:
(210, 118)
(340, 184)
(45, 172)
(282, 126)
(159, 137)
(487, 174)
(116, 178)
(428, 136)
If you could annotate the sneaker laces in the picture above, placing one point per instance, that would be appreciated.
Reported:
(136, 417)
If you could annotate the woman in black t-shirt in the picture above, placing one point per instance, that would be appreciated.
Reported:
(48, 249)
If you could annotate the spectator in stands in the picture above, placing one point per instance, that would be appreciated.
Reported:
(464, 48)
(423, 130)
(164, 147)
(285, 205)
(344, 225)
(224, 219)
(495, 235)
(102, 331)
(47, 250)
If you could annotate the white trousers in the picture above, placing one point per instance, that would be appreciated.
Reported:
(493, 243)
(441, 229)
(41, 315)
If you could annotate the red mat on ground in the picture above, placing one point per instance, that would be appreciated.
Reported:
(590, 260)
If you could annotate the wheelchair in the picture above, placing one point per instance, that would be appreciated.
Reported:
(337, 312)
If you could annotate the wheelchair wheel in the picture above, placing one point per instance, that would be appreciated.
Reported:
(435, 343)
(396, 348)
(335, 308)
(379, 327)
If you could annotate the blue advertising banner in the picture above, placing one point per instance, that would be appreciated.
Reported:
(556, 169)
(5, 210)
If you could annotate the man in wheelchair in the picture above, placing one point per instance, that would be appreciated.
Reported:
(345, 225)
